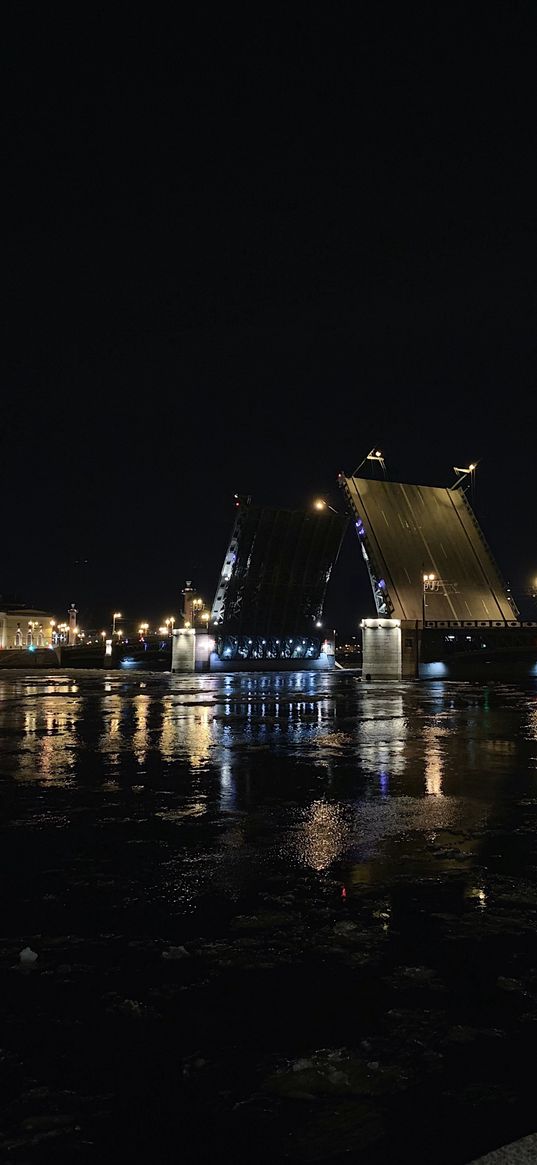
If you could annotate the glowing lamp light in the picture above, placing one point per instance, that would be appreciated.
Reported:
(319, 504)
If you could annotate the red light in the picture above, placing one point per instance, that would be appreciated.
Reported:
(343, 893)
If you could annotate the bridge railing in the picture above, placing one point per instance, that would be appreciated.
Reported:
(449, 623)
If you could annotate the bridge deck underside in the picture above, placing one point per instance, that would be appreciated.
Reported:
(412, 529)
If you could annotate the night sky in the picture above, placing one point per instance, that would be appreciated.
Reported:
(241, 254)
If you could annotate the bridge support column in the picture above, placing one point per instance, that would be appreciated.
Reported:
(184, 649)
(389, 649)
(191, 650)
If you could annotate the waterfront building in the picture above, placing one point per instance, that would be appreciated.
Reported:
(25, 627)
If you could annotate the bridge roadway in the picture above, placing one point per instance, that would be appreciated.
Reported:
(412, 529)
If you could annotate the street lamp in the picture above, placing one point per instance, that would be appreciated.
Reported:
(469, 471)
(116, 615)
(144, 628)
(373, 455)
(320, 504)
(427, 579)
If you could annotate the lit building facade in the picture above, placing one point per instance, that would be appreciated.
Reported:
(25, 627)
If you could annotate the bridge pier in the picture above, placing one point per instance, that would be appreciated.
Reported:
(390, 649)
(191, 649)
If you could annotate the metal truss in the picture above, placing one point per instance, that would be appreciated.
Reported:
(255, 647)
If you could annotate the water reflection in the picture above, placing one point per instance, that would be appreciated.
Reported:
(532, 722)
(110, 739)
(323, 836)
(434, 760)
(140, 740)
(413, 740)
(381, 735)
(228, 792)
(477, 895)
(186, 732)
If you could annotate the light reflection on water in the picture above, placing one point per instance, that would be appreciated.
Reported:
(334, 768)
(332, 857)
(434, 760)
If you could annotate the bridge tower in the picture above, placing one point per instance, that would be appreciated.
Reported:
(72, 613)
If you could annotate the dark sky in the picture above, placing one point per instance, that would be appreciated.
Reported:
(240, 254)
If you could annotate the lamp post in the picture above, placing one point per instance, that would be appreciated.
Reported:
(320, 504)
(373, 455)
(427, 580)
(462, 473)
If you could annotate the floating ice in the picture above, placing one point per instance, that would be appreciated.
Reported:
(27, 957)
(175, 953)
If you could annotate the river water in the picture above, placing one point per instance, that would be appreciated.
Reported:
(289, 917)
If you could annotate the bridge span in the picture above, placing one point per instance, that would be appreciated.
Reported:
(408, 532)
